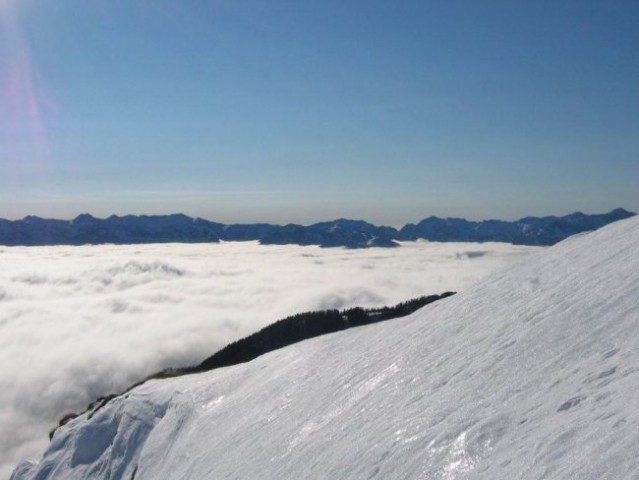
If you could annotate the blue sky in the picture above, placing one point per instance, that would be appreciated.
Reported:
(291, 111)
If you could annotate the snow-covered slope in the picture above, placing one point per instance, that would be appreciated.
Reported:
(532, 374)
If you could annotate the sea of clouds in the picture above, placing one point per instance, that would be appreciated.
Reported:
(80, 322)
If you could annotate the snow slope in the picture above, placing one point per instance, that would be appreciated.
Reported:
(77, 323)
(532, 374)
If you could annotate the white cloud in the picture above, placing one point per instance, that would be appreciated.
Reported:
(80, 322)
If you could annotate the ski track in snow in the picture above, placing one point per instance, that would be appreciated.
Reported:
(80, 322)
(532, 373)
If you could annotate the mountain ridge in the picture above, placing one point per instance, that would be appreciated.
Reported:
(531, 373)
(174, 228)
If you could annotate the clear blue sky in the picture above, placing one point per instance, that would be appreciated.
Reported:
(298, 111)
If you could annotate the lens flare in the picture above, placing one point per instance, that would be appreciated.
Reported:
(23, 100)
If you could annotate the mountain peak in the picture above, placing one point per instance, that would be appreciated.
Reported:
(621, 212)
(341, 232)
(534, 370)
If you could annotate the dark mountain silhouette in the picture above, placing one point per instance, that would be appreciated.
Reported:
(338, 233)
(132, 229)
(526, 231)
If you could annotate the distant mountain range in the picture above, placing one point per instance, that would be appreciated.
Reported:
(532, 373)
(132, 229)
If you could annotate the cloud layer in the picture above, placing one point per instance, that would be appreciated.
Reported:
(80, 322)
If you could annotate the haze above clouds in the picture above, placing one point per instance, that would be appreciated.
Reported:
(80, 322)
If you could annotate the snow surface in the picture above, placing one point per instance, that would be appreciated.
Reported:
(77, 323)
(531, 374)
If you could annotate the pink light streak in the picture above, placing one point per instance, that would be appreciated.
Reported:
(22, 101)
